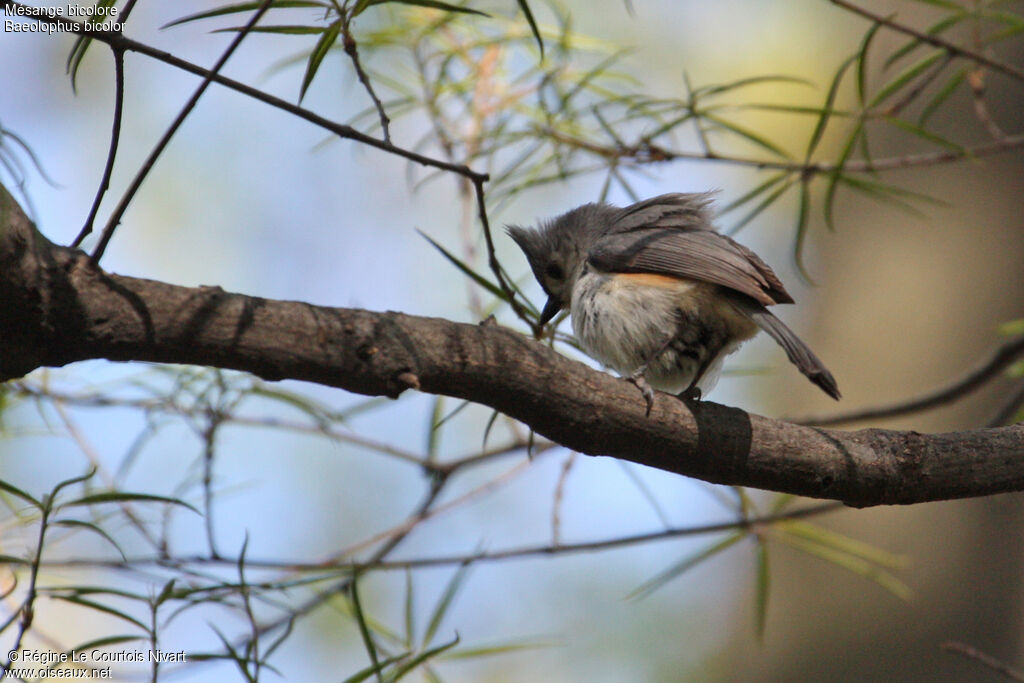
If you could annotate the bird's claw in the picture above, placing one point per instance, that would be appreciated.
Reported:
(637, 379)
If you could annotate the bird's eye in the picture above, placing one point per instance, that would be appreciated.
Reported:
(554, 271)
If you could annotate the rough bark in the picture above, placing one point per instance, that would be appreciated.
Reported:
(56, 308)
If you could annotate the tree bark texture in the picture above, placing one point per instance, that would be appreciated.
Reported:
(57, 308)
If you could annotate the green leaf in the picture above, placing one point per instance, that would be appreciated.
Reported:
(245, 7)
(763, 204)
(434, 431)
(316, 57)
(890, 194)
(842, 543)
(444, 603)
(837, 173)
(905, 77)
(74, 523)
(117, 497)
(15, 491)
(826, 109)
(763, 585)
(409, 611)
(375, 669)
(525, 6)
(942, 95)
(82, 43)
(100, 608)
(72, 481)
(165, 593)
(763, 187)
(747, 134)
(103, 642)
(364, 630)
(479, 279)
(862, 61)
(948, 4)
(1012, 328)
(933, 30)
(853, 563)
(413, 663)
(491, 650)
(709, 90)
(802, 221)
(924, 134)
(433, 4)
(687, 563)
(280, 29)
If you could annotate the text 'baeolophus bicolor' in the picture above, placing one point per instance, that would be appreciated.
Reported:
(657, 294)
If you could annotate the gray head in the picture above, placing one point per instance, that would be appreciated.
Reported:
(557, 250)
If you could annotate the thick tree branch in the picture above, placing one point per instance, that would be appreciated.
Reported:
(57, 308)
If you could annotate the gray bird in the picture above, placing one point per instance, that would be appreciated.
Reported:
(657, 294)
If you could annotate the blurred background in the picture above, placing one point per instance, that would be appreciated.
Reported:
(256, 201)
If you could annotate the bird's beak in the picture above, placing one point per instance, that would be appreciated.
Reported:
(551, 309)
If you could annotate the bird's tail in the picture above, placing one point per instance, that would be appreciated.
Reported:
(799, 354)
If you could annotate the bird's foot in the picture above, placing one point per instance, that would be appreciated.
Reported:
(637, 379)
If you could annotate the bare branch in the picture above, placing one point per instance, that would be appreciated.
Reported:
(56, 308)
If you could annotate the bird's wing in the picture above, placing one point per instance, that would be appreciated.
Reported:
(698, 254)
(682, 211)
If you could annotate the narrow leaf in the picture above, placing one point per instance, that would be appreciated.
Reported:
(525, 6)
(802, 221)
(862, 61)
(15, 491)
(101, 608)
(845, 544)
(364, 630)
(687, 563)
(243, 7)
(116, 497)
(405, 668)
(441, 609)
(316, 57)
(479, 279)
(942, 95)
(747, 134)
(925, 134)
(763, 585)
(433, 4)
(826, 109)
(74, 523)
(905, 76)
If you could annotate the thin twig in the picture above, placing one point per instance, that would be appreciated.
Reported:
(990, 369)
(645, 152)
(349, 45)
(933, 40)
(491, 556)
(495, 265)
(147, 166)
(556, 504)
(970, 652)
(115, 136)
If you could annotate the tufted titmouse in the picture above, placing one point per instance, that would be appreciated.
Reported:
(657, 295)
